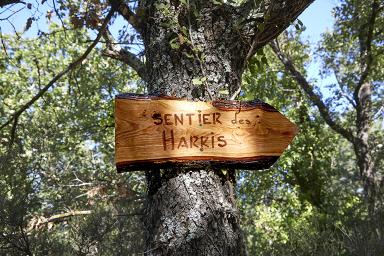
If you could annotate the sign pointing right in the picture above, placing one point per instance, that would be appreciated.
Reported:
(159, 132)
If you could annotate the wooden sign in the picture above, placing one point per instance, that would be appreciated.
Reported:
(162, 132)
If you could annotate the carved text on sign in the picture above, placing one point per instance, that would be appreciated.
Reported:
(157, 131)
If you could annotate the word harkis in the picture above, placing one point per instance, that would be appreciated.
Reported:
(192, 141)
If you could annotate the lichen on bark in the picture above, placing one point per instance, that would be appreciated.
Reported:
(197, 50)
(193, 214)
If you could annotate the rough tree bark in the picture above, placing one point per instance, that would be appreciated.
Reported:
(194, 49)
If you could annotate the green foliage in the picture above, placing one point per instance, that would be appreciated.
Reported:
(343, 52)
(198, 80)
(310, 202)
(60, 158)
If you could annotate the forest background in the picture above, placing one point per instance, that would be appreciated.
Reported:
(59, 190)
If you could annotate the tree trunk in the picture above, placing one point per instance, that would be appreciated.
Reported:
(192, 213)
(362, 148)
(196, 50)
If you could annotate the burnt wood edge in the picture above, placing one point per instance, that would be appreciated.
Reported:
(247, 163)
(225, 105)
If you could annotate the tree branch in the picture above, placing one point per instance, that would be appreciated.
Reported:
(66, 215)
(10, 241)
(315, 99)
(127, 13)
(379, 157)
(59, 16)
(7, 2)
(345, 95)
(271, 18)
(366, 49)
(71, 66)
(39, 221)
(116, 52)
(24, 236)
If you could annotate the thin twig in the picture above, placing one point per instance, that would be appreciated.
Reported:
(6, 9)
(13, 13)
(123, 9)
(236, 93)
(315, 98)
(114, 51)
(339, 83)
(3, 43)
(71, 66)
(59, 16)
(206, 85)
(13, 132)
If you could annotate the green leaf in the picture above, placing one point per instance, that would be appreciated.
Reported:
(184, 2)
(264, 60)
(199, 80)
(174, 43)
(161, 6)
(261, 27)
(300, 22)
(28, 24)
(189, 56)
(217, 2)
(260, 51)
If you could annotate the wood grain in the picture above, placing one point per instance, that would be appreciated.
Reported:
(162, 132)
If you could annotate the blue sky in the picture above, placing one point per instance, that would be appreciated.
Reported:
(317, 18)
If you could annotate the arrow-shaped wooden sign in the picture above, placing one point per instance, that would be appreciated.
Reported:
(161, 132)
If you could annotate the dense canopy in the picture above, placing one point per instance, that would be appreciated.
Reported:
(60, 193)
